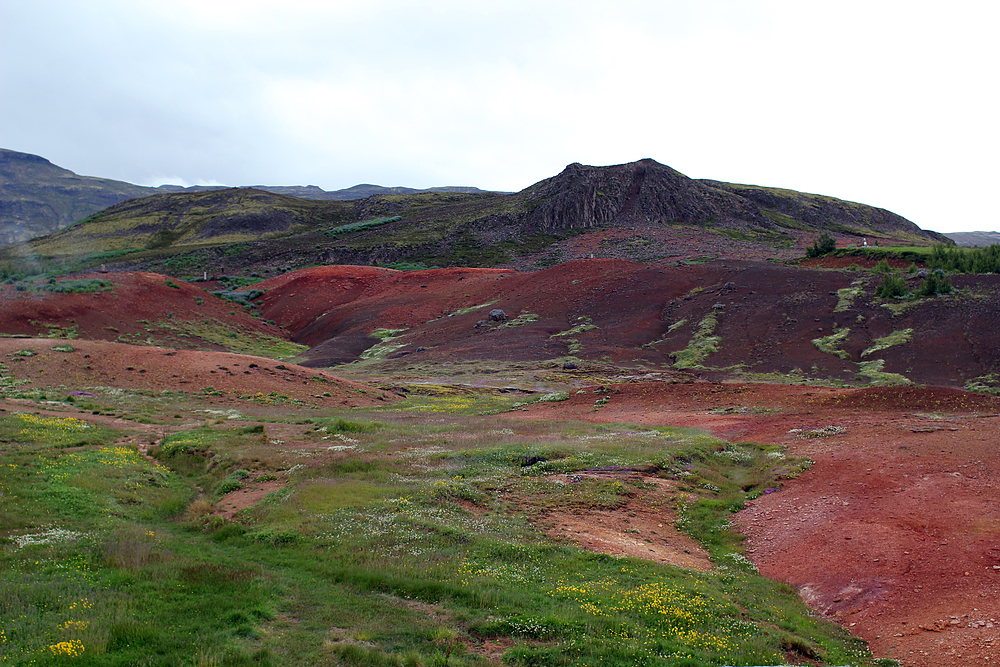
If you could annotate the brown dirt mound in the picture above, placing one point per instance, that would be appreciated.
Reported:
(894, 530)
(229, 377)
(910, 398)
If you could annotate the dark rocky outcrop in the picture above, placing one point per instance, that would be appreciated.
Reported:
(638, 192)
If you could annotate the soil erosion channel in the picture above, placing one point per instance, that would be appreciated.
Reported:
(892, 532)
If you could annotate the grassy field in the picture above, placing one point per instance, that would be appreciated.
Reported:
(411, 535)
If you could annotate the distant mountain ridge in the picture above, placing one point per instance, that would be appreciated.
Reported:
(38, 197)
(971, 239)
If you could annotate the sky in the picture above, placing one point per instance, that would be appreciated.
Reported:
(883, 102)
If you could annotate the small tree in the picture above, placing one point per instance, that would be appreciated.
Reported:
(823, 245)
(891, 286)
(936, 284)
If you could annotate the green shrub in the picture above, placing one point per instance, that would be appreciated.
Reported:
(936, 283)
(77, 286)
(965, 260)
(823, 245)
(891, 287)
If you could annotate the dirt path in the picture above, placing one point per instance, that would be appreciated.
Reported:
(894, 530)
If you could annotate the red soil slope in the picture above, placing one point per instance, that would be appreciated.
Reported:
(894, 530)
(232, 378)
(763, 317)
(124, 311)
(766, 317)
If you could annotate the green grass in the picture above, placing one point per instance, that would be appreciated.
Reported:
(873, 370)
(895, 338)
(847, 296)
(385, 346)
(463, 311)
(702, 344)
(783, 220)
(407, 535)
(984, 384)
(520, 320)
(583, 324)
(913, 253)
(360, 225)
(232, 338)
(831, 344)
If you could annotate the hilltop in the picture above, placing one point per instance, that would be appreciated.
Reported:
(981, 239)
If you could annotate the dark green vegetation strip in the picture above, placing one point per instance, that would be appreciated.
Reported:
(358, 226)
(392, 538)
(951, 259)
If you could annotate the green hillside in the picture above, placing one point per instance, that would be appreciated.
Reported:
(200, 231)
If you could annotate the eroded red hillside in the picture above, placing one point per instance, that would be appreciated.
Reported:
(748, 318)
(215, 377)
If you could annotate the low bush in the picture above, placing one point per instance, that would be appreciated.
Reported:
(891, 287)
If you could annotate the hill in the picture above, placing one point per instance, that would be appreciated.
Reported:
(721, 320)
(638, 210)
(973, 239)
(38, 197)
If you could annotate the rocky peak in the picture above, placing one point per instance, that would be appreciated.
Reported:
(638, 192)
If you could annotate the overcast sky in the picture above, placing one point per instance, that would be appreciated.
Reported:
(888, 103)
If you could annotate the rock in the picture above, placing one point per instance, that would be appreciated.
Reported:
(497, 315)
(568, 366)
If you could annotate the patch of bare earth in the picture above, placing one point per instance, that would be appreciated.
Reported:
(252, 490)
(642, 528)
(895, 530)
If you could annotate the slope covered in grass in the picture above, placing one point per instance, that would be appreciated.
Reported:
(391, 538)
